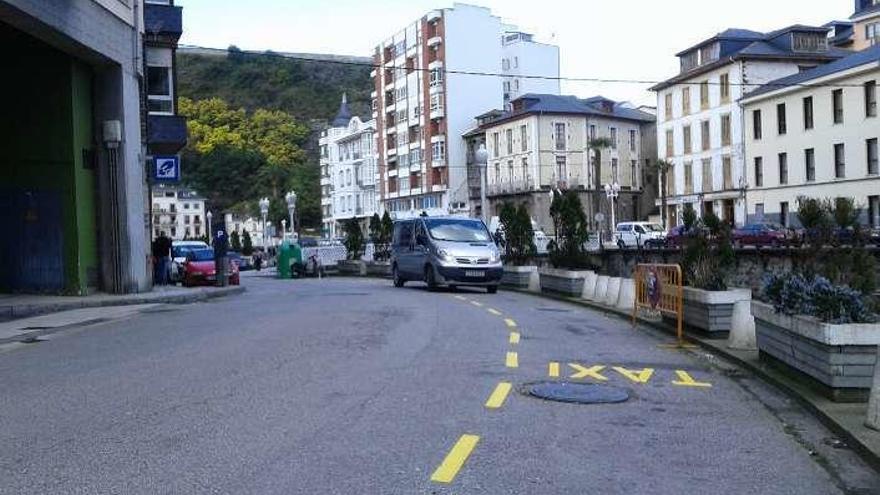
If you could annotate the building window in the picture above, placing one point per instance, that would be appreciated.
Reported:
(783, 213)
(159, 90)
(781, 126)
(872, 32)
(496, 145)
(561, 170)
(438, 151)
(436, 77)
(523, 138)
(837, 104)
(808, 112)
(725, 88)
(759, 171)
(810, 164)
(872, 156)
(633, 173)
(704, 95)
(874, 211)
(510, 174)
(559, 136)
(592, 132)
(705, 136)
(613, 131)
(497, 172)
(525, 169)
(727, 170)
(669, 181)
(668, 106)
(688, 178)
(759, 212)
(669, 143)
(783, 168)
(509, 135)
(756, 125)
(725, 130)
(686, 100)
(871, 98)
(688, 143)
(707, 174)
(632, 140)
(186, 219)
(839, 161)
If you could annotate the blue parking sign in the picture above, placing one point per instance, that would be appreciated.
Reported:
(166, 168)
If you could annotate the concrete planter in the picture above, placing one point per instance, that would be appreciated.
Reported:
(601, 288)
(712, 311)
(612, 292)
(352, 267)
(379, 268)
(839, 358)
(518, 277)
(566, 282)
(589, 286)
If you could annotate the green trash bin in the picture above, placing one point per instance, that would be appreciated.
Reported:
(284, 258)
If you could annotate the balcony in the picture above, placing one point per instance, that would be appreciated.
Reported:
(436, 113)
(166, 134)
(163, 23)
(436, 40)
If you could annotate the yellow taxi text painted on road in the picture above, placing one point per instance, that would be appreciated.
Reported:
(600, 372)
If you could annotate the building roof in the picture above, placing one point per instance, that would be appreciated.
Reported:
(856, 59)
(862, 8)
(599, 106)
(732, 34)
(343, 115)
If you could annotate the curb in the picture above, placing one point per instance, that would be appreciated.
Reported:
(862, 449)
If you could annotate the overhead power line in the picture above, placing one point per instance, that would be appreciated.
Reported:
(598, 80)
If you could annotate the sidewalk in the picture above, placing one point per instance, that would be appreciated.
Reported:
(13, 306)
(847, 420)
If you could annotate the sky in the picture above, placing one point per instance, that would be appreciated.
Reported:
(609, 39)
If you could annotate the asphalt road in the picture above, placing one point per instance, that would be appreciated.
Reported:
(351, 386)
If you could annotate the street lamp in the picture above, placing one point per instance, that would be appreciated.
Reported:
(283, 228)
(481, 159)
(209, 216)
(612, 191)
(291, 208)
(264, 211)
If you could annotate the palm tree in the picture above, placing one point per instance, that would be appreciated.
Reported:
(596, 145)
(663, 167)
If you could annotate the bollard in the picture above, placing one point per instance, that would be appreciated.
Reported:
(742, 327)
(534, 281)
(627, 294)
(601, 288)
(612, 292)
(589, 286)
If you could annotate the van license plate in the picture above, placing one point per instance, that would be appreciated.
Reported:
(474, 273)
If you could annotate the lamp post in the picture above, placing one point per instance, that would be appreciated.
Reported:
(264, 211)
(209, 216)
(291, 208)
(283, 228)
(481, 159)
(612, 191)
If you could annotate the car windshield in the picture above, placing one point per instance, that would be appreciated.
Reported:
(201, 255)
(652, 227)
(457, 230)
(180, 251)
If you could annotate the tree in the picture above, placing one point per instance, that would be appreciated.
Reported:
(596, 146)
(354, 239)
(518, 234)
(235, 241)
(247, 245)
(571, 231)
(663, 168)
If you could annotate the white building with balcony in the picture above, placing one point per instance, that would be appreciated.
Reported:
(178, 212)
(700, 123)
(348, 172)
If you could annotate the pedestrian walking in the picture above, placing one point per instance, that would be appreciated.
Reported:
(258, 260)
(162, 259)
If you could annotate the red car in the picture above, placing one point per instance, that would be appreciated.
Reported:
(198, 269)
(761, 235)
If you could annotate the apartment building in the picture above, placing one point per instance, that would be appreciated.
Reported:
(816, 134)
(543, 144)
(700, 123)
(523, 56)
(866, 24)
(433, 77)
(348, 172)
(179, 213)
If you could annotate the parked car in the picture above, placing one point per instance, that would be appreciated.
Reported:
(243, 262)
(199, 269)
(308, 242)
(179, 250)
(843, 237)
(451, 251)
(639, 234)
(762, 235)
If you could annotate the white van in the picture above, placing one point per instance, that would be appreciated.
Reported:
(639, 234)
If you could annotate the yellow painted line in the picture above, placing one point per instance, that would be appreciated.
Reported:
(686, 380)
(494, 311)
(510, 323)
(584, 372)
(455, 459)
(514, 337)
(638, 376)
(512, 360)
(553, 370)
(460, 298)
(476, 303)
(676, 346)
(496, 400)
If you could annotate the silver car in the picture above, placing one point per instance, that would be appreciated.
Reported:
(450, 251)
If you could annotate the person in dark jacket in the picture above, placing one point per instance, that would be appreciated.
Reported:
(161, 259)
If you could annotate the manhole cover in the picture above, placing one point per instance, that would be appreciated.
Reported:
(579, 393)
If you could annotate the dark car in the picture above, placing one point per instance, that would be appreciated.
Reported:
(761, 235)
(308, 242)
(677, 235)
(240, 261)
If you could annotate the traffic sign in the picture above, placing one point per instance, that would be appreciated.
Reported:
(166, 168)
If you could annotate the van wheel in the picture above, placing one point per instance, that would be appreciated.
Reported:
(429, 278)
(492, 289)
(395, 275)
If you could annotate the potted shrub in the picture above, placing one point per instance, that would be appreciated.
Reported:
(567, 253)
(354, 246)
(381, 230)
(518, 246)
(707, 258)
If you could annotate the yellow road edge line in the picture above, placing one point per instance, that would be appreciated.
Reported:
(494, 311)
(496, 399)
(510, 323)
(514, 337)
(512, 360)
(455, 459)
(553, 370)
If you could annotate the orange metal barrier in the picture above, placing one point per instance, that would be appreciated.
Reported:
(659, 288)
